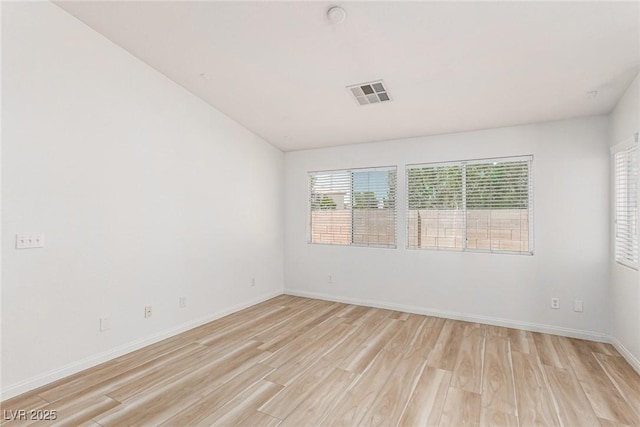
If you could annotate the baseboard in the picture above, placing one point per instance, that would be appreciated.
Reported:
(91, 361)
(56, 374)
(633, 361)
(527, 326)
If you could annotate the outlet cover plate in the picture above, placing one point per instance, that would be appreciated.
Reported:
(29, 241)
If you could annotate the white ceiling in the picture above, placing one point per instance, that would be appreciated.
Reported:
(281, 68)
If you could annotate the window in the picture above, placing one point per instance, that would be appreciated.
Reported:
(478, 205)
(625, 169)
(354, 207)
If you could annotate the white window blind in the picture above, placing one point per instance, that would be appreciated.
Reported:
(435, 215)
(478, 205)
(625, 167)
(353, 207)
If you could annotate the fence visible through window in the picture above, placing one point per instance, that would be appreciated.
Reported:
(353, 207)
(482, 205)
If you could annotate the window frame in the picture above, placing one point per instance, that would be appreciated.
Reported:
(627, 148)
(463, 164)
(388, 168)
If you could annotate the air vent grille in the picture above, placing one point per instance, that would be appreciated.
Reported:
(370, 92)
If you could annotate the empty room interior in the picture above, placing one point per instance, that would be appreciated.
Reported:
(314, 213)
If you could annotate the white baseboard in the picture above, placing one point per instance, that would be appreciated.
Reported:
(91, 361)
(633, 361)
(527, 326)
(70, 369)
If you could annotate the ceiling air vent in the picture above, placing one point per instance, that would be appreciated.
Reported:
(369, 93)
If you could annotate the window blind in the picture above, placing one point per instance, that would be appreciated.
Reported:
(478, 205)
(625, 166)
(353, 207)
(435, 215)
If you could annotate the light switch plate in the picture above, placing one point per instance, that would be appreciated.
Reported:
(29, 241)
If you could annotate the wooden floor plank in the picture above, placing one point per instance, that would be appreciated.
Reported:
(498, 389)
(195, 413)
(26, 401)
(305, 343)
(372, 314)
(364, 355)
(288, 399)
(497, 331)
(163, 375)
(360, 337)
(288, 372)
(247, 329)
(354, 313)
(103, 380)
(360, 397)
(605, 399)
(125, 365)
(317, 405)
(425, 339)
(573, 406)
(625, 379)
(154, 407)
(68, 412)
(602, 348)
(244, 405)
(77, 411)
(609, 423)
(550, 350)
(446, 348)
(535, 404)
(426, 403)
(400, 315)
(282, 333)
(260, 419)
(522, 341)
(467, 373)
(493, 418)
(393, 397)
(89, 423)
(294, 361)
(406, 335)
(461, 408)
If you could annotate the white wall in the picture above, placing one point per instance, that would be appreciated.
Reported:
(571, 234)
(144, 193)
(624, 283)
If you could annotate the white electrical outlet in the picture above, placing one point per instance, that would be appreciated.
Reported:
(105, 323)
(330, 278)
(29, 241)
(253, 281)
(555, 303)
(182, 302)
(577, 305)
(148, 311)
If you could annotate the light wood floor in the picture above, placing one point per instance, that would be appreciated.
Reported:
(301, 362)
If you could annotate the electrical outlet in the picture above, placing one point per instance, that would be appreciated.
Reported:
(182, 302)
(105, 324)
(253, 281)
(577, 305)
(148, 311)
(330, 278)
(555, 303)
